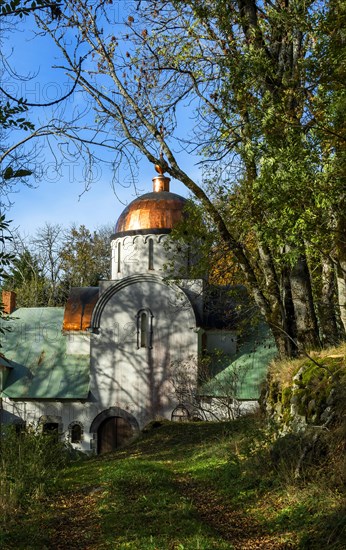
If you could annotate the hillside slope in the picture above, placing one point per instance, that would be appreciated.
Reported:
(188, 487)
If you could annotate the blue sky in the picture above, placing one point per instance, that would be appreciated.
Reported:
(64, 202)
(59, 197)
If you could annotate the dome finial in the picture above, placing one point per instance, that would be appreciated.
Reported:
(158, 167)
(161, 182)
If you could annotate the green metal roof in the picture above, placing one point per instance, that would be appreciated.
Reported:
(35, 348)
(40, 368)
(244, 374)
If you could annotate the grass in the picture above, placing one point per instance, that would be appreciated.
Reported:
(187, 487)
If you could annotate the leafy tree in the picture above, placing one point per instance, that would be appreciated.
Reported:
(53, 260)
(267, 104)
(85, 257)
(26, 280)
(5, 257)
(22, 8)
(329, 110)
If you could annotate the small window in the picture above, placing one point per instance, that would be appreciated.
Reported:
(76, 434)
(180, 414)
(50, 427)
(151, 254)
(20, 428)
(145, 328)
(119, 257)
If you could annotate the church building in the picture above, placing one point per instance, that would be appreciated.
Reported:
(130, 350)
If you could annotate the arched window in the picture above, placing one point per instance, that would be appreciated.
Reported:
(119, 258)
(151, 254)
(145, 328)
(180, 414)
(75, 432)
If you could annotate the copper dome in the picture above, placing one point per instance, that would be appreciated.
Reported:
(159, 210)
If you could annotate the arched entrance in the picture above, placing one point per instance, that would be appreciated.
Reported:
(114, 432)
(114, 428)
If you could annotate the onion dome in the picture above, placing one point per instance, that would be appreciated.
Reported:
(155, 212)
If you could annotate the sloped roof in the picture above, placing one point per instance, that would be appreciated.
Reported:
(247, 370)
(36, 349)
(79, 308)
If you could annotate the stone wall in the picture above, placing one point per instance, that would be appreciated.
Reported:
(310, 398)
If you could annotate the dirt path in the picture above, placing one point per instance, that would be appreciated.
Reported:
(76, 524)
(234, 526)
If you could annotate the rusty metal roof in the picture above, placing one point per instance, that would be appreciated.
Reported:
(156, 210)
(79, 308)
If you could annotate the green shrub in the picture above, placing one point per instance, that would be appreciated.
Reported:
(29, 466)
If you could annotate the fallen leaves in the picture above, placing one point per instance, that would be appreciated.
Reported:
(77, 523)
(239, 528)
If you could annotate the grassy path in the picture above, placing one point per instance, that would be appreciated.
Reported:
(235, 526)
(180, 487)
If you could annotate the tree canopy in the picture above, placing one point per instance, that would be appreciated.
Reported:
(43, 267)
(264, 84)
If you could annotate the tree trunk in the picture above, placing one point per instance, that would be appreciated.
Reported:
(278, 319)
(341, 264)
(289, 311)
(304, 313)
(326, 305)
(341, 284)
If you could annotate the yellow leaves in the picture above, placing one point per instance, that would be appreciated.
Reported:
(224, 270)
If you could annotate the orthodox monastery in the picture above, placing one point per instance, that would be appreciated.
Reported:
(132, 349)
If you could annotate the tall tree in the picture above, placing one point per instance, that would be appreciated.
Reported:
(251, 72)
(48, 243)
(46, 265)
(26, 280)
(85, 257)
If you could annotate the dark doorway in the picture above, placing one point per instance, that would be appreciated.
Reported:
(114, 432)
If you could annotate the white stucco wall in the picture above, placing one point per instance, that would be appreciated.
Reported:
(130, 255)
(138, 380)
(34, 413)
(77, 343)
(213, 408)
